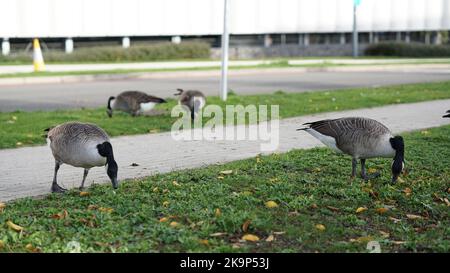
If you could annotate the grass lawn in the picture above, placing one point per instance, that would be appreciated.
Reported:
(314, 207)
(26, 128)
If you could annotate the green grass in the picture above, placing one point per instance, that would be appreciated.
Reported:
(26, 128)
(311, 187)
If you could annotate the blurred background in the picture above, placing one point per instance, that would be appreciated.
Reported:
(258, 28)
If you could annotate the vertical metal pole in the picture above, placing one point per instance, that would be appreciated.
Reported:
(225, 44)
(355, 33)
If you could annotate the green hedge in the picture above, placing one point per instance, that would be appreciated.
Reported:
(136, 53)
(407, 50)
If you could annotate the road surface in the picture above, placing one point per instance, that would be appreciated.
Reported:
(95, 93)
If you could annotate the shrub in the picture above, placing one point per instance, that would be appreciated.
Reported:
(137, 53)
(407, 50)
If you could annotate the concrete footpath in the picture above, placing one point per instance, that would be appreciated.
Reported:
(28, 171)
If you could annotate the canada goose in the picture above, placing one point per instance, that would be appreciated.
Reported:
(448, 114)
(193, 100)
(133, 102)
(362, 138)
(81, 145)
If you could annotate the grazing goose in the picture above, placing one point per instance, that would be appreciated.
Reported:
(193, 100)
(362, 138)
(82, 145)
(448, 114)
(133, 102)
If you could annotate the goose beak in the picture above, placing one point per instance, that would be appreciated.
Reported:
(115, 183)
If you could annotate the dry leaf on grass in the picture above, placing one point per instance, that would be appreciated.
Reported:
(413, 216)
(2, 205)
(217, 234)
(175, 183)
(320, 227)
(245, 225)
(165, 203)
(14, 227)
(270, 238)
(407, 191)
(271, 204)
(333, 208)
(226, 172)
(84, 193)
(250, 238)
(218, 212)
(60, 215)
(33, 249)
(204, 242)
(381, 210)
(174, 224)
(2, 244)
(163, 219)
(107, 210)
(279, 232)
(361, 209)
(395, 220)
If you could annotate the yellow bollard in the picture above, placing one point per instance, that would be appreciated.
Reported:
(38, 59)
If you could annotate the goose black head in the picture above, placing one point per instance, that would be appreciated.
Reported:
(108, 106)
(105, 150)
(398, 145)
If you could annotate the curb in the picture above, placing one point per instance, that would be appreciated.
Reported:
(216, 72)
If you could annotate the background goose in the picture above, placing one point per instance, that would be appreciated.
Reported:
(362, 138)
(81, 145)
(448, 114)
(194, 100)
(133, 102)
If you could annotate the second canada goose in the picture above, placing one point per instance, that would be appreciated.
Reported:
(448, 114)
(361, 138)
(193, 100)
(81, 145)
(133, 102)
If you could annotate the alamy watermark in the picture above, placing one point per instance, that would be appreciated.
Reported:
(213, 123)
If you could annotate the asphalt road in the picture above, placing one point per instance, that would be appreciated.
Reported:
(94, 94)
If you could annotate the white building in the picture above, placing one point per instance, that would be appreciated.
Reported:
(82, 19)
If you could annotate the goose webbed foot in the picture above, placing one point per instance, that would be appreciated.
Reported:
(57, 188)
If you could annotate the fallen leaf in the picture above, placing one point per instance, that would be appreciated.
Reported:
(372, 170)
(320, 227)
(407, 191)
(217, 234)
(218, 212)
(245, 225)
(250, 238)
(236, 246)
(395, 220)
(174, 224)
(13, 226)
(333, 208)
(361, 209)
(2, 244)
(175, 183)
(384, 234)
(19, 143)
(163, 219)
(107, 210)
(258, 160)
(84, 193)
(204, 242)
(61, 215)
(220, 177)
(273, 180)
(382, 210)
(153, 131)
(271, 204)
(279, 232)
(398, 242)
(400, 180)
(14, 118)
(447, 202)
(165, 190)
(166, 203)
(270, 238)
(155, 189)
(2, 205)
(92, 207)
(425, 132)
(31, 248)
(413, 216)
(364, 239)
(226, 172)
(314, 206)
